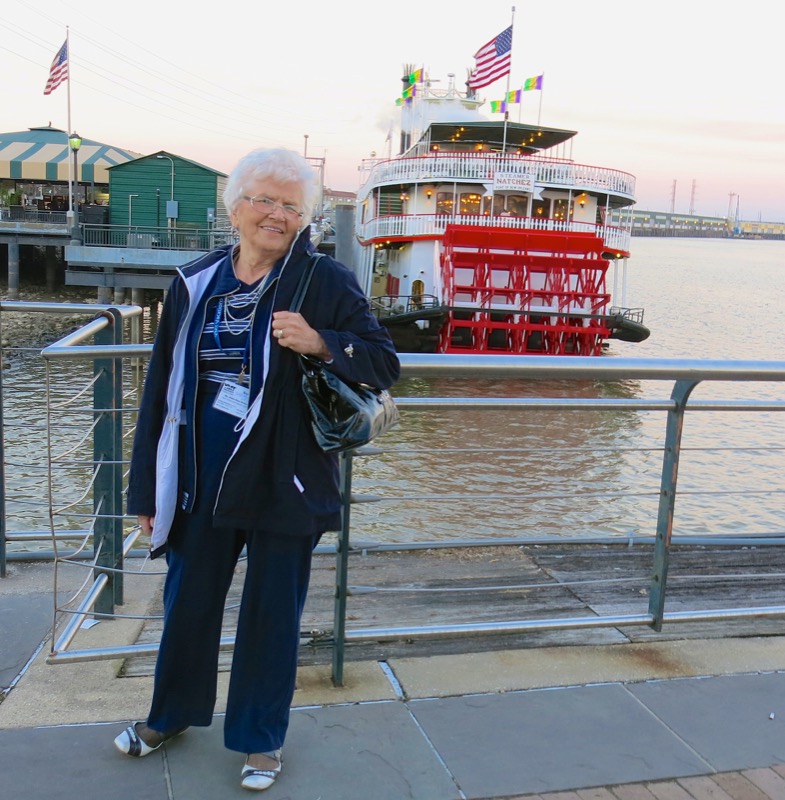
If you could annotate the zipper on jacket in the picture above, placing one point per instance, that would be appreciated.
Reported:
(195, 471)
(250, 366)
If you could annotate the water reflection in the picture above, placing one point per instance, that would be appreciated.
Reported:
(519, 472)
(29, 439)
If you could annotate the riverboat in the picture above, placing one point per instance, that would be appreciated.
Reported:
(485, 236)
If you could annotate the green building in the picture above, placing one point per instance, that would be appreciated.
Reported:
(165, 190)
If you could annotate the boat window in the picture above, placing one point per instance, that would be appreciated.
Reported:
(418, 290)
(517, 205)
(444, 202)
(470, 203)
(540, 208)
(560, 209)
(389, 204)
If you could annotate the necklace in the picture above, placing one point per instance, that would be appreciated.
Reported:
(238, 311)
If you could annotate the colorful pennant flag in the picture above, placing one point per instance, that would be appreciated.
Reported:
(498, 106)
(532, 83)
(58, 72)
(493, 60)
(514, 97)
(416, 76)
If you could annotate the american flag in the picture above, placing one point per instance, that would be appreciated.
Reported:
(58, 72)
(493, 60)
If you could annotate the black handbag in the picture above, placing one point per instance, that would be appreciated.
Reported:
(344, 415)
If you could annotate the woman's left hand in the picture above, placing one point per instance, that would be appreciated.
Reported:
(292, 331)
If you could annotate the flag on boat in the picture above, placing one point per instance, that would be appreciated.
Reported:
(493, 60)
(58, 72)
(406, 96)
(416, 76)
(498, 106)
(514, 97)
(532, 83)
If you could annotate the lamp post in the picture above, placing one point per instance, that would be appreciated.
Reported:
(75, 142)
(171, 207)
(171, 196)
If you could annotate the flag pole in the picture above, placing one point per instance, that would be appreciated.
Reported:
(539, 111)
(507, 93)
(68, 132)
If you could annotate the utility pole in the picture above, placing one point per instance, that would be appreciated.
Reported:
(692, 198)
(673, 196)
(731, 195)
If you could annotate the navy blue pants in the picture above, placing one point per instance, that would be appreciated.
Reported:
(202, 560)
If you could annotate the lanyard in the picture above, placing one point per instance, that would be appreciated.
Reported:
(219, 310)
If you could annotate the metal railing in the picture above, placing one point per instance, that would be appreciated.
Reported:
(152, 237)
(32, 216)
(683, 376)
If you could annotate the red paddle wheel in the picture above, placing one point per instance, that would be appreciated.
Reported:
(532, 292)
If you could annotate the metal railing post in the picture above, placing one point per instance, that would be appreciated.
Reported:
(108, 455)
(342, 570)
(670, 472)
(2, 481)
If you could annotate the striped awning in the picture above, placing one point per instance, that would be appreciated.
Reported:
(42, 155)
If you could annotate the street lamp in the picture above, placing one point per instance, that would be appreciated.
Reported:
(171, 206)
(171, 196)
(75, 142)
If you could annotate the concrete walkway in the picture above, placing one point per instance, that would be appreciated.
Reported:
(702, 719)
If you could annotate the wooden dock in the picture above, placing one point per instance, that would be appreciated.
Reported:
(491, 584)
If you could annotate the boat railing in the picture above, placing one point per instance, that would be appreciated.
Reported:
(414, 226)
(581, 388)
(482, 167)
(390, 305)
(632, 314)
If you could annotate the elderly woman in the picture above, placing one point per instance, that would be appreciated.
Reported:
(224, 458)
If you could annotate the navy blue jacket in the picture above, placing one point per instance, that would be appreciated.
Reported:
(277, 479)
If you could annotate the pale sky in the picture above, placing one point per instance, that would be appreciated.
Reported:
(686, 91)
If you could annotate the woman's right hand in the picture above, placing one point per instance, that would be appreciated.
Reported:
(146, 523)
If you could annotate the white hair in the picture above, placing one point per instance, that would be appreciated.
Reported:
(284, 166)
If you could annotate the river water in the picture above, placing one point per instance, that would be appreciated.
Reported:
(597, 473)
(474, 474)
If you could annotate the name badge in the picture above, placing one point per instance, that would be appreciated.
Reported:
(233, 399)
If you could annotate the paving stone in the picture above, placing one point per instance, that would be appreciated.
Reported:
(739, 788)
(668, 790)
(767, 780)
(704, 788)
(599, 793)
(635, 791)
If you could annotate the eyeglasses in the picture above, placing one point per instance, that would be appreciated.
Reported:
(264, 205)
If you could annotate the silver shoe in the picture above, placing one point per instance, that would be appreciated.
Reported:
(259, 779)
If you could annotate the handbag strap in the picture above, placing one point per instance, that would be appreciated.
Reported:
(305, 282)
